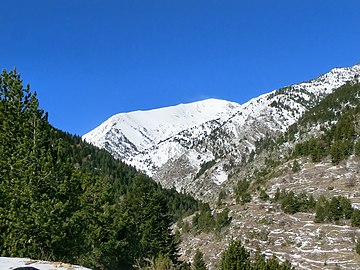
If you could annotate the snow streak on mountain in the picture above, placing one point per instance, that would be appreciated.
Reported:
(193, 147)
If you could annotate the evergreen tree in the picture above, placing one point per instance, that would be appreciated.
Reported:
(150, 231)
(235, 257)
(312, 202)
(346, 207)
(198, 261)
(242, 194)
(355, 218)
(259, 261)
(321, 211)
(289, 203)
(34, 183)
(204, 221)
(222, 219)
(278, 195)
(337, 152)
(335, 213)
(295, 166)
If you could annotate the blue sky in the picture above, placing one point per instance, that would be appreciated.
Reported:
(90, 59)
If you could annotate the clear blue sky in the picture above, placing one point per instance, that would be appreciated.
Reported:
(90, 59)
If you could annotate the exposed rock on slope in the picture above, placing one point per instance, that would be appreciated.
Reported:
(262, 224)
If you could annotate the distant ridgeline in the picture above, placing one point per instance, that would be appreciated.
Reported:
(63, 199)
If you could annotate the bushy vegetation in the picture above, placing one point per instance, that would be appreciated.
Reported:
(63, 199)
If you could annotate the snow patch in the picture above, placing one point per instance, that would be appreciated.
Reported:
(7, 263)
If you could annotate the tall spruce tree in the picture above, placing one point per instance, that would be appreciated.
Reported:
(150, 231)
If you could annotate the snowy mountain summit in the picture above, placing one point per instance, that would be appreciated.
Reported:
(126, 135)
(193, 147)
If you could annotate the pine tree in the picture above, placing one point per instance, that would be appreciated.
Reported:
(33, 182)
(289, 203)
(222, 219)
(355, 218)
(312, 202)
(150, 233)
(198, 261)
(295, 166)
(337, 152)
(335, 209)
(321, 211)
(235, 257)
(346, 207)
(259, 261)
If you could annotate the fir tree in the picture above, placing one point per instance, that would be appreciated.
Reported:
(335, 212)
(321, 210)
(235, 257)
(198, 261)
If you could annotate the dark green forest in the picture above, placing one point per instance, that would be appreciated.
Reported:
(63, 199)
(337, 116)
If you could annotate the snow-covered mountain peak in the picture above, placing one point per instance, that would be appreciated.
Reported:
(325, 83)
(142, 129)
(193, 146)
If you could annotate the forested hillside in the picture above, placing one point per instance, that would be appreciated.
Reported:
(63, 199)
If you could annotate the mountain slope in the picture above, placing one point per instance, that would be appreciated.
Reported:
(223, 135)
(298, 236)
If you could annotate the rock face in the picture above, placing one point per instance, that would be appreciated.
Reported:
(193, 147)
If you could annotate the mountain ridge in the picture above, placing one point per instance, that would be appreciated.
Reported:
(153, 126)
(228, 141)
